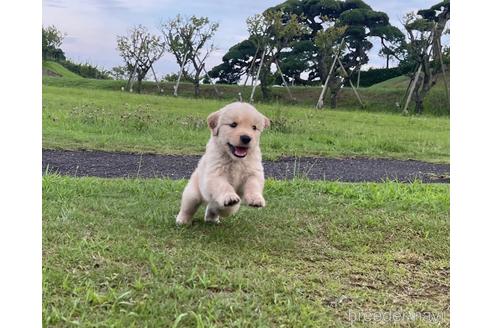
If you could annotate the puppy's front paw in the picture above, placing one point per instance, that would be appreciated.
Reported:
(230, 199)
(255, 200)
(182, 220)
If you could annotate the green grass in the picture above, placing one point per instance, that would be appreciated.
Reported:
(78, 118)
(112, 256)
(58, 69)
(401, 82)
(376, 99)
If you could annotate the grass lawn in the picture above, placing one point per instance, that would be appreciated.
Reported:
(318, 252)
(381, 97)
(81, 118)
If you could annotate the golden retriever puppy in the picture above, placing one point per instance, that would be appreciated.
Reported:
(230, 169)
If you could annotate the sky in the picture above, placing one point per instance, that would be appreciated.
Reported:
(91, 26)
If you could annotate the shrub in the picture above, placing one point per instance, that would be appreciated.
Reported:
(376, 75)
(86, 70)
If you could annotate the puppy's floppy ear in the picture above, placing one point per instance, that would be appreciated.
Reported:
(213, 122)
(266, 122)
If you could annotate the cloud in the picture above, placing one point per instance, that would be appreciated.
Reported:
(92, 25)
(54, 3)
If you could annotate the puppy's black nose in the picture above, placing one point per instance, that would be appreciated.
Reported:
(245, 139)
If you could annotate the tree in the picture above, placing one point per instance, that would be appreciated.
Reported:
(303, 55)
(326, 42)
(362, 23)
(270, 35)
(52, 39)
(271, 38)
(86, 70)
(173, 77)
(119, 72)
(274, 33)
(140, 50)
(189, 40)
(235, 63)
(425, 30)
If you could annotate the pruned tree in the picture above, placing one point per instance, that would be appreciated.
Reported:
(328, 44)
(236, 63)
(140, 49)
(393, 45)
(258, 28)
(363, 25)
(271, 36)
(189, 40)
(271, 33)
(425, 30)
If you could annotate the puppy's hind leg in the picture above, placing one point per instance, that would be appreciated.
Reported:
(190, 202)
(212, 213)
(228, 211)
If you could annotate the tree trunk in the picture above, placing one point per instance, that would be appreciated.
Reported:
(333, 99)
(335, 85)
(254, 81)
(139, 84)
(264, 75)
(265, 90)
(197, 88)
(424, 84)
(419, 106)
(327, 84)
(411, 88)
(322, 67)
(419, 94)
(387, 61)
(358, 77)
(196, 79)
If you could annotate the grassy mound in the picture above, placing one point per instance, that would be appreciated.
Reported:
(54, 69)
(401, 82)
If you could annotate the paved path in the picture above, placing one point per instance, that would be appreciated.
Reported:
(112, 165)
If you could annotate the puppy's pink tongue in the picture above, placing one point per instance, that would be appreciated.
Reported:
(240, 151)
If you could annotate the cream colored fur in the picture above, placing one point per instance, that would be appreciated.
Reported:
(221, 179)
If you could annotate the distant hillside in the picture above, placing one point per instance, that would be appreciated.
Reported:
(401, 82)
(51, 68)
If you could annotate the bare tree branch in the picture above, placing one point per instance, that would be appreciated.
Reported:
(140, 50)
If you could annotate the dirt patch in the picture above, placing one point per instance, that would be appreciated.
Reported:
(47, 72)
(128, 165)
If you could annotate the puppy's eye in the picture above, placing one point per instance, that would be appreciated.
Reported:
(254, 127)
(233, 124)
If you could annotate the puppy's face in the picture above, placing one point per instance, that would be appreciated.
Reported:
(237, 128)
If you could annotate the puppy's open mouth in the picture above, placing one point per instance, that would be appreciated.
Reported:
(238, 151)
